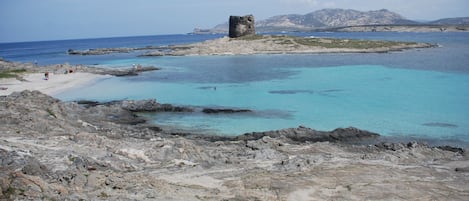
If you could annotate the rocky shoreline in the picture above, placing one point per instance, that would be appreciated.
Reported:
(7, 66)
(101, 51)
(53, 150)
(282, 44)
(54, 79)
(265, 44)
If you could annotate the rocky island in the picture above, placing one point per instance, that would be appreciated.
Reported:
(266, 44)
(282, 44)
(243, 40)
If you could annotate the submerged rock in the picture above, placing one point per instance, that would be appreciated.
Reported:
(149, 105)
(224, 110)
(303, 134)
(452, 149)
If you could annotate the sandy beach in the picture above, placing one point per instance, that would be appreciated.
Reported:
(55, 84)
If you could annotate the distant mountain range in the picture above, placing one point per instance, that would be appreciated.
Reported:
(333, 18)
(452, 21)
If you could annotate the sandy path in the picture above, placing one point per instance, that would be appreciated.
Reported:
(57, 82)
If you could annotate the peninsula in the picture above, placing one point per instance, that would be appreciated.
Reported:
(266, 44)
(16, 77)
(243, 40)
(283, 44)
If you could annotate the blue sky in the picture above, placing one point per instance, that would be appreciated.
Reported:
(35, 20)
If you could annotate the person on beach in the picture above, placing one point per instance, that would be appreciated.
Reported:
(46, 75)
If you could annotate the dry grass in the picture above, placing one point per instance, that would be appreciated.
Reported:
(325, 42)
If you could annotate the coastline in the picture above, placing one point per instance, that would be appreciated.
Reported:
(62, 77)
(282, 44)
(64, 150)
(266, 44)
(91, 151)
(55, 84)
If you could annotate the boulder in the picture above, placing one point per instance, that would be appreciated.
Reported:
(140, 105)
(452, 149)
(241, 26)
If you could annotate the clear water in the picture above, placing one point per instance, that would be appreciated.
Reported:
(416, 93)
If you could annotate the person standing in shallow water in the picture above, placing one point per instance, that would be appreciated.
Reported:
(46, 75)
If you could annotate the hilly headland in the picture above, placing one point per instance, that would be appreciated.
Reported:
(348, 20)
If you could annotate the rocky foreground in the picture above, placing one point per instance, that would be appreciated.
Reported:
(53, 150)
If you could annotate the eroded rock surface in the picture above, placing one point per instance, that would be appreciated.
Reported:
(51, 150)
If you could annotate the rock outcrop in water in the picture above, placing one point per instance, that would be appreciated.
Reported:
(101, 51)
(224, 110)
(241, 26)
(66, 68)
(303, 134)
(281, 44)
(53, 150)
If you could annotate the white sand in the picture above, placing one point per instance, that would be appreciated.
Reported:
(57, 82)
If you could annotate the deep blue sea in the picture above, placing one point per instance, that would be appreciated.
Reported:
(414, 94)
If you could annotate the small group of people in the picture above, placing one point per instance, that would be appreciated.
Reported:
(68, 71)
(46, 74)
(137, 67)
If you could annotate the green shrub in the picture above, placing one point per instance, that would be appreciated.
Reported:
(11, 73)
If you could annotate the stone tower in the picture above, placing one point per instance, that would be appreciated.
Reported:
(241, 26)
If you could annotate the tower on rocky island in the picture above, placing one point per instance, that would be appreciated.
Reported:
(241, 26)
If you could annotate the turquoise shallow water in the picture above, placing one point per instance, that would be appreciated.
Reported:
(416, 93)
(390, 101)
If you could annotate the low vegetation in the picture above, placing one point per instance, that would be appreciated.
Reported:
(325, 42)
(348, 43)
(11, 73)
